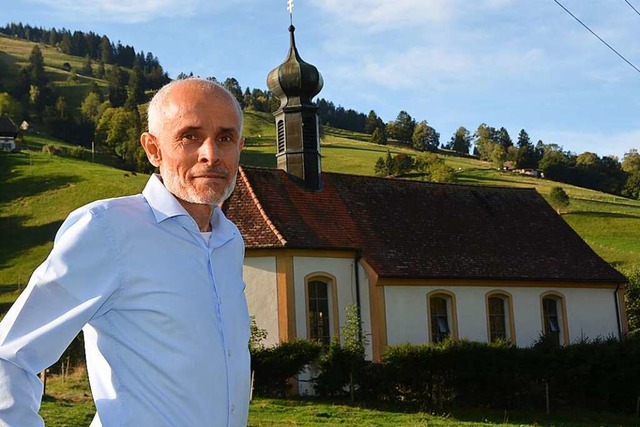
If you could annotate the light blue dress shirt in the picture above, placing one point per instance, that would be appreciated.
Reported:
(164, 316)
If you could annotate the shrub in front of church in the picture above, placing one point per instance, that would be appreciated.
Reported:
(600, 374)
(275, 366)
(340, 371)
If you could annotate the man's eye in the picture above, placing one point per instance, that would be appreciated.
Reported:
(225, 138)
(189, 138)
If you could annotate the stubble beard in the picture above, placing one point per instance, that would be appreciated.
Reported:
(189, 193)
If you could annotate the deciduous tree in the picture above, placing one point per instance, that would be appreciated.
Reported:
(10, 107)
(425, 138)
(433, 168)
(631, 161)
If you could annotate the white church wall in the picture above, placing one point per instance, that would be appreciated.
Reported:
(406, 313)
(590, 312)
(262, 294)
(343, 271)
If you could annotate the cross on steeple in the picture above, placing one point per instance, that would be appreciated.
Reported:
(290, 9)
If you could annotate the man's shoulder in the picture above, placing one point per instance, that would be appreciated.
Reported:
(116, 207)
(115, 204)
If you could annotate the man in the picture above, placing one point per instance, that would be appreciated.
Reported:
(154, 281)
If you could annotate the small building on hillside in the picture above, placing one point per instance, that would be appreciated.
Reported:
(422, 261)
(531, 172)
(8, 134)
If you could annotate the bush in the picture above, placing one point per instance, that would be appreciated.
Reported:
(53, 150)
(601, 374)
(274, 366)
(558, 198)
(340, 370)
(78, 153)
(341, 367)
(632, 299)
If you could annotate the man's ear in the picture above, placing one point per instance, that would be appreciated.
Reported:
(152, 148)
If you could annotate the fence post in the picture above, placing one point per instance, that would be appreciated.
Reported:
(546, 392)
(43, 377)
(251, 390)
(351, 386)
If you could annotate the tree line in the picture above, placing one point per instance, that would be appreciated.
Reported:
(94, 48)
(132, 76)
(607, 174)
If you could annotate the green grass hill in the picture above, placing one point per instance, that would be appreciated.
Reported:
(38, 190)
(14, 53)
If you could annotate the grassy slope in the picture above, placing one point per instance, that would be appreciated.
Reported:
(14, 53)
(39, 190)
(611, 225)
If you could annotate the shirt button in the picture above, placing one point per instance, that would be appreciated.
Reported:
(229, 353)
(233, 408)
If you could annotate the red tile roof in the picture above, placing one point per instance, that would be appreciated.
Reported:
(411, 229)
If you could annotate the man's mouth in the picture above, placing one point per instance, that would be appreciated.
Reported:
(215, 175)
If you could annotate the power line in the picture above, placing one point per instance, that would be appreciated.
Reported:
(631, 6)
(597, 36)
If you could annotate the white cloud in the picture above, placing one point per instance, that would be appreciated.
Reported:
(499, 4)
(123, 11)
(385, 14)
(414, 66)
(438, 67)
(378, 15)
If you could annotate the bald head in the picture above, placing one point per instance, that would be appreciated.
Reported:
(195, 140)
(159, 103)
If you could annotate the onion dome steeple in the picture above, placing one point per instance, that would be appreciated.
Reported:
(295, 83)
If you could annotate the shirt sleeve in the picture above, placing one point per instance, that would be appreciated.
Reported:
(73, 285)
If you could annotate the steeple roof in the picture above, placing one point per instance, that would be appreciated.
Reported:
(295, 82)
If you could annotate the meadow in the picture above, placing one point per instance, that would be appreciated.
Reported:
(40, 189)
(14, 53)
(68, 404)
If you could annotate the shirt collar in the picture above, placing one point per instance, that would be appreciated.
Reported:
(164, 205)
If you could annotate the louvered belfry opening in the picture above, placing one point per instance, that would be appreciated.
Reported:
(295, 83)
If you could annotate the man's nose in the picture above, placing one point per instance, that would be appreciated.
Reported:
(208, 152)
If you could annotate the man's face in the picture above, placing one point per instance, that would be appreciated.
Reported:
(199, 145)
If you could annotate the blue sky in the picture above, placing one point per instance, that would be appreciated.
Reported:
(512, 63)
